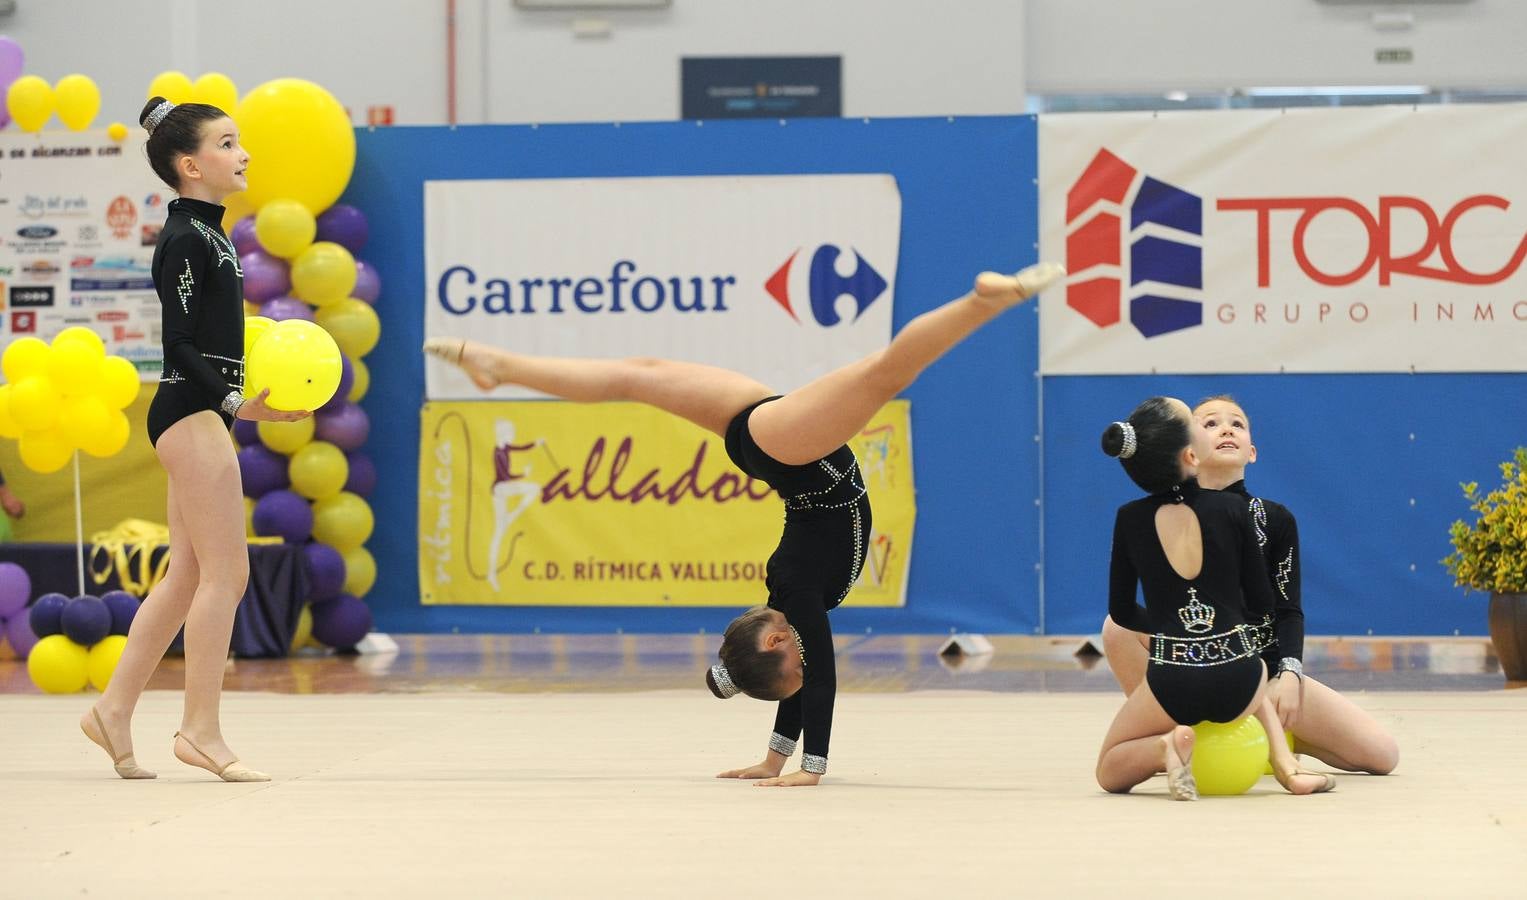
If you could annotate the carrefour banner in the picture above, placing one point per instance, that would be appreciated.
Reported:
(783, 278)
(1341, 240)
(618, 504)
(79, 216)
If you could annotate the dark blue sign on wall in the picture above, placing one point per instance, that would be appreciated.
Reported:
(762, 87)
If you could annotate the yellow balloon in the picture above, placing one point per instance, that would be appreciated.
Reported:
(74, 365)
(323, 274)
(110, 440)
(235, 207)
(249, 505)
(285, 228)
(354, 325)
(304, 630)
(343, 521)
(101, 662)
(254, 327)
(319, 470)
(360, 571)
(58, 665)
(119, 382)
(216, 89)
(250, 309)
(172, 86)
(9, 427)
(117, 131)
(82, 419)
(362, 380)
(34, 403)
(23, 357)
(78, 101)
(30, 102)
(298, 361)
(44, 452)
(286, 437)
(300, 141)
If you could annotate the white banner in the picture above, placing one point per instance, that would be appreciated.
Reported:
(782, 278)
(1339, 240)
(79, 215)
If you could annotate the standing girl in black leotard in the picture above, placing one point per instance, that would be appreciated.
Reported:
(1207, 597)
(782, 651)
(195, 149)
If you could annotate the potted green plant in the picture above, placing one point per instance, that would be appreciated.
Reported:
(1491, 555)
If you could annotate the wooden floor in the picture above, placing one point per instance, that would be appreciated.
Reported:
(546, 766)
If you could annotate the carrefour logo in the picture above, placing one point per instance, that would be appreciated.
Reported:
(825, 286)
(1164, 266)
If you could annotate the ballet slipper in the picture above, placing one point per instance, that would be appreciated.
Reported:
(234, 771)
(1327, 784)
(1014, 289)
(1180, 784)
(448, 349)
(129, 770)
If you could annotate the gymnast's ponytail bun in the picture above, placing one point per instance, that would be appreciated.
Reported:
(720, 683)
(1149, 444)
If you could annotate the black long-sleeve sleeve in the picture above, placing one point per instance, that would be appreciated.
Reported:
(1256, 590)
(810, 709)
(1282, 552)
(183, 266)
(1123, 580)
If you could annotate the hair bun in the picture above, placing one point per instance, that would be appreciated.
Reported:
(720, 682)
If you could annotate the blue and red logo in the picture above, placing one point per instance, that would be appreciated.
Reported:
(1165, 270)
(865, 286)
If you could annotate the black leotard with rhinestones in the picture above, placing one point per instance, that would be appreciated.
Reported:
(819, 557)
(201, 299)
(1199, 669)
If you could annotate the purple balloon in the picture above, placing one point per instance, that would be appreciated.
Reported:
(346, 382)
(123, 607)
(344, 225)
(262, 470)
(12, 64)
(86, 620)
(368, 284)
(15, 589)
(283, 514)
(282, 308)
(362, 480)
(326, 571)
(265, 276)
(243, 237)
(247, 433)
(19, 632)
(345, 426)
(341, 622)
(46, 614)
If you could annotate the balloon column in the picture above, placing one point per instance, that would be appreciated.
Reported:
(67, 643)
(307, 481)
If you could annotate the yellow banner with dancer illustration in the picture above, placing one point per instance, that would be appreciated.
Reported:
(545, 503)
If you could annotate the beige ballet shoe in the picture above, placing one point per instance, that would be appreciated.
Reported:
(234, 771)
(1014, 289)
(448, 349)
(1328, 782)
(129, 770)
(1180, 784)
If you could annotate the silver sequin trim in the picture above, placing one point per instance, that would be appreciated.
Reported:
(782, 745)
(220, 246)
(1285, 573)
(1259, 520)
(232, 402)
(816, 765)
(185, 287)
(157, 116)
(1253, 639)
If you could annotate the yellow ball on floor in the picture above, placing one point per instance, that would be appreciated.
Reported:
(1228, 757)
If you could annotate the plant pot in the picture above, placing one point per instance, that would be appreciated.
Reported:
(1508, 631)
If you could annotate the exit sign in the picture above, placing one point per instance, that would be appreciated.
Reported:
(1394, 55)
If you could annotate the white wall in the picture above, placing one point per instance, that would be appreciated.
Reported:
(901, 57)
(1152, 45)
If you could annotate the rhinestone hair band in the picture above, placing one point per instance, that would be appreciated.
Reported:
(1130, 444)
(157, 116)
(723, 681)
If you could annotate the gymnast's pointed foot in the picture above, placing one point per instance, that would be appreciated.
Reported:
(473, 358)
(1010, 290)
